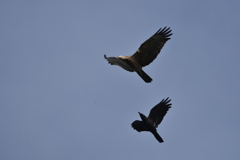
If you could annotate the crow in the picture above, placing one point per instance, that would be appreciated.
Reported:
(155, 117)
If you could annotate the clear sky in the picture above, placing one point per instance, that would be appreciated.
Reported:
(61, 100)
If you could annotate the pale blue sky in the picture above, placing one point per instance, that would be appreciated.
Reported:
(60, 99)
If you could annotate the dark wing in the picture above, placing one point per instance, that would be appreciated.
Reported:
(149, 50)
(159, 111)
(139, 126)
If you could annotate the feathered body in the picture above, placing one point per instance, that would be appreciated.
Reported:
(146, 53)
(155, 117)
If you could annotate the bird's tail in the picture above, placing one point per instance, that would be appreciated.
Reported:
(144, 76)
(157, 136)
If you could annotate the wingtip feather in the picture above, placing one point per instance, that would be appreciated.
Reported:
(166, 102)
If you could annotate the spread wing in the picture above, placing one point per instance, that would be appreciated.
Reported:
(139, 126)
(149, 50)
(159, 111)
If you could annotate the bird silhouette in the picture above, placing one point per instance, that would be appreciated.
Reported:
(154, 118)
(146, 53)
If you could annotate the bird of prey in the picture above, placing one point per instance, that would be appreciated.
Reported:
(145, 54)
(154, 118)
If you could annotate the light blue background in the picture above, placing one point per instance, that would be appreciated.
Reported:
(61, 100)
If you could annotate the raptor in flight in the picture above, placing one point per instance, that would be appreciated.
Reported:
(145, 54)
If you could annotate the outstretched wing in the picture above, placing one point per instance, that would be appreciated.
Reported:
(159, 111)
(149, 50)
(139, 126)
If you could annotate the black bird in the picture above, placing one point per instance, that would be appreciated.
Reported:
(154, 118)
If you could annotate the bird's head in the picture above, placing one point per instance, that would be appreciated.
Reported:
(105, 56)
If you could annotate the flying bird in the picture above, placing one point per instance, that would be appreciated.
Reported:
(145, 54)
(154, 118)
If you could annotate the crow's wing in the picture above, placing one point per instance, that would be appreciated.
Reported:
(139, 126)
(159, 111)
(149, 50)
